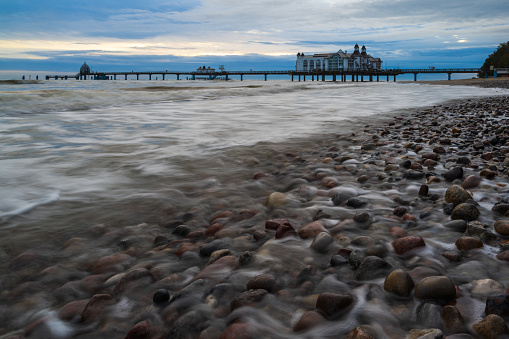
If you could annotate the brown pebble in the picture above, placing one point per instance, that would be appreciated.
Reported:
(491, 327)
(236, 331)
(468, 243)
(96, 307)
(358, 333)
(471, 181)
(142, 330)
(398, 232)
(403, 245)
(334, 304)
(308, 320)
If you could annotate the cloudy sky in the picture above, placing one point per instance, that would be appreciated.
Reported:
(249, 34)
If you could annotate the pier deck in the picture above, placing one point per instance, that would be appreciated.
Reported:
(340, 75)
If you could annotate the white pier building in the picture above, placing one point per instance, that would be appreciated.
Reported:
(338, 61)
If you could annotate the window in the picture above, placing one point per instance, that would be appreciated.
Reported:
(335, 63)
(318, 64)
(311, 65)
(305, 63)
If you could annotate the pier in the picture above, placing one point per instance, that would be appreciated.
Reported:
(318, 75)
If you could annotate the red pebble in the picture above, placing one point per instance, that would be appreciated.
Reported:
(403, 245)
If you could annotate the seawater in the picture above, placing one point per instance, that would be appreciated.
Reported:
(77, 153)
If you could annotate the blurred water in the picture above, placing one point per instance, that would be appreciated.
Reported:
(73, 153)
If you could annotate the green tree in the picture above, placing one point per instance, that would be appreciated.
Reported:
(499, 59)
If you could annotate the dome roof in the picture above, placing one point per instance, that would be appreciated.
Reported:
(85, 69)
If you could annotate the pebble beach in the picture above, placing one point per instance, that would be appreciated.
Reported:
(398, 228)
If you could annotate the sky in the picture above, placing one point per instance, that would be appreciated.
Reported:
(123, 35)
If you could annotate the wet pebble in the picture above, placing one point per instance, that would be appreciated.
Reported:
(358, 333)
(502, 227)
(471, 181)
(334, 305)
(430, 333)
(249, 298)
(266, 282)
(308, 320)
(356, 202)
(456, 225)
(322, 242)
(454, 173)
(497, 304)
(236, 330)
(399, 282)
(452, 320)
(486, 287)
(465, 211)
(372, 268)
(428, 315)
(97, 307)
(405, 244)
(491, 327)
(435, 287)
(456, 195)
(468, 243)
(142, 330)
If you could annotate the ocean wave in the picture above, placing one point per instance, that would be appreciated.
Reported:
(30, 205)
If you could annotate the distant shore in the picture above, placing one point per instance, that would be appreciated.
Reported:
(479, 82)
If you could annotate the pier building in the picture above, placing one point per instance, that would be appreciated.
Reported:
(339, 61)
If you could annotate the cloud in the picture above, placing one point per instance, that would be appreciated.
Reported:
(184, 28)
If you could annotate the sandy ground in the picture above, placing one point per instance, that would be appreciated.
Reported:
(480, 82)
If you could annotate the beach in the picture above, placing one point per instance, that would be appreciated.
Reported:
(396, 226)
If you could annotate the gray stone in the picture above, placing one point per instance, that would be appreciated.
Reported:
(456, 225)
(322, 242)
(372, 268)
(428, 315)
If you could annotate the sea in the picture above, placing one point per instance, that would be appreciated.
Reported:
(78, 153)
(77, 156)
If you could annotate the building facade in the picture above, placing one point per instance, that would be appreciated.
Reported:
(358, 60)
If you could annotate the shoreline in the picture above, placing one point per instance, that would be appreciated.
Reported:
(333, 221)
(501, 82)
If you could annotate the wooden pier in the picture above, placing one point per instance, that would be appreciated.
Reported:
(340, 75)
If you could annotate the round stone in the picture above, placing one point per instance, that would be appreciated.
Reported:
(334, 304)
(248, 298)
(399, 282)
(276, 199)
(497, 304)
(471, 181)
(361, 217)
(468, 243)
(454, 173)
(502, 227)
(405, 244)
(236, 331)
(340, 197)
(308, 320)
(372, 268)
(456, 195)
(428, 315)
(492, 326)
(435, 287)
(358, 333)
(456, 225)
(264, 281)
(452, 320)
(486, 287)
(464, 211)
(356, 202)
(161, 296)
(322, 242)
